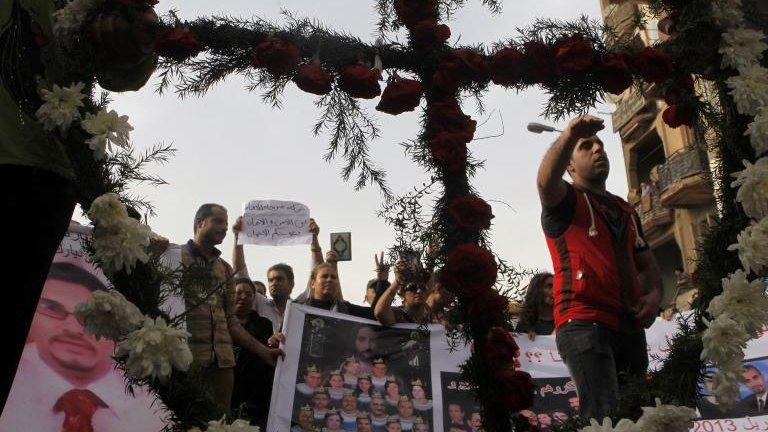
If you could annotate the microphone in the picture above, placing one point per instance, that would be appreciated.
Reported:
(539, 128)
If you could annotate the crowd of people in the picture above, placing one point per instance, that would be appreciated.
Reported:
(237, 347)
(604, 290)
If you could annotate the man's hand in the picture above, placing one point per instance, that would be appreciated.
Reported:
(401, 267)
(275, 340)
(237, 226)
(583, 126)
(382, 269)
(647, 308)
(272, 355)
(313, 228)
(331, 257)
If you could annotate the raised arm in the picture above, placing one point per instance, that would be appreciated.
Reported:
(383, 309)
(315, 249)
(552, 188)
(238, 255)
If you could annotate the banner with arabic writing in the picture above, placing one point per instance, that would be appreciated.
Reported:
(556, 397)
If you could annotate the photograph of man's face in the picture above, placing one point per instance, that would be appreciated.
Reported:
(456, 413)
(61, 340)
(365, 343)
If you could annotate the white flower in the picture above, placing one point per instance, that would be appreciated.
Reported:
(728, 13)
(240, 425)
(666, 418)
(69, 20)
(742, 301)
(107, 128)
(155, 350)
(221, 426)
(749, 89)
(107, 210)
(60, 105)
(121, 244)
(752, 245)
(725, 383)
(723, 340)
(623, 425)
(742, 47)
(758, 132)
(109, 314)
(753, 188)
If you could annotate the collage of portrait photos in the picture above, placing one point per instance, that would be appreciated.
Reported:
(362, 377)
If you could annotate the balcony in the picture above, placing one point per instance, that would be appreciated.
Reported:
(684, 180)
(629, 106)
(621, 20)
(654, 217)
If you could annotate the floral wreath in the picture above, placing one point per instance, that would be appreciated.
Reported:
(576, 62)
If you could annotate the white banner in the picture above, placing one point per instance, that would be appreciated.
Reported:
(275, 223)
(319, 343)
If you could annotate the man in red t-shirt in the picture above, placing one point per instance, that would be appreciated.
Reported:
(600, 258)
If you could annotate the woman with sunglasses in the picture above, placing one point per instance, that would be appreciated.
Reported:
(422, 298)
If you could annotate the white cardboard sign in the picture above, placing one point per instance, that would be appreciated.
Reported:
(275, 223)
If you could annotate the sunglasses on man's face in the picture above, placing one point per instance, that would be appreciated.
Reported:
(56, 310)
(414, 288)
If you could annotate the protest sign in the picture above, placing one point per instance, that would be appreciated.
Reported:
(275, 223)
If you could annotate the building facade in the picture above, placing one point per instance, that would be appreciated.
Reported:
(667, 170)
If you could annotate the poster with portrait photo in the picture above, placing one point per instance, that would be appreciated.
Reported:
(63, 369)
(338, 366)
(752, 393)
(461, 412)
(555, 400)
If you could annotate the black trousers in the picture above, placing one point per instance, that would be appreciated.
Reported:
(35, 209)
(596, 356)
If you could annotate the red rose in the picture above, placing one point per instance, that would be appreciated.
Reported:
(516, 389)
(469, 269)
(411, 12)
(682, 87)
(489, 306)
(613, 73)
(471, 212)
(472, 64)
(360, 81)
(501, 348)
(539, 63)
(313, 79)
(177, 43)
(38, 34)
(506, 66)
(573, 54)
(142, 4)
(276, 56)
(427, 34)
(447, 116)
(400, 95)
(677, 115)
(655, 66)
(447, 76)
(449, 151)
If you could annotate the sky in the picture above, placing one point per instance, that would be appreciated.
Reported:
(232, 148)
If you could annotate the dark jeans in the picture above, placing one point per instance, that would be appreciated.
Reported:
(596, 356)
(35, 209)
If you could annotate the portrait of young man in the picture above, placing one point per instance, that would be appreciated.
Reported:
(65, 375)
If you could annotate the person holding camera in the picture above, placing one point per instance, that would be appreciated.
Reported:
(419, 303)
